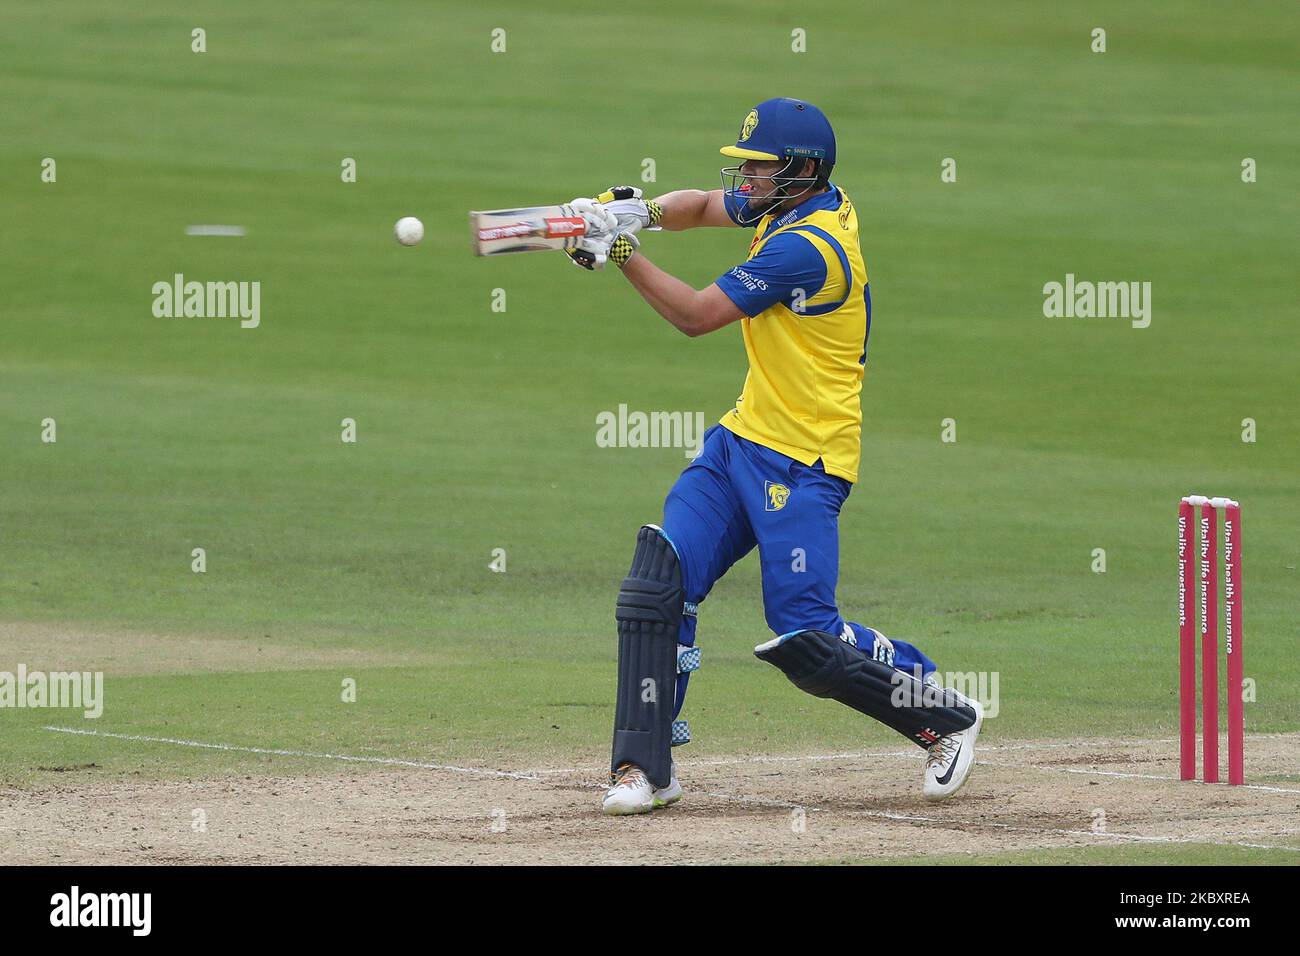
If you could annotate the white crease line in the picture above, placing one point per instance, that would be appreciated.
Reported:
(733, 761)
(812, 758)
(915, 753)
(386, 761)
(1133, 776)
(204, 229)
(912, 754)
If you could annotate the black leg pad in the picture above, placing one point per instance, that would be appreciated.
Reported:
(823, 665)
(649, 615)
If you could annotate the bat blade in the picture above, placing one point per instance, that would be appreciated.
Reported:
(495, 232)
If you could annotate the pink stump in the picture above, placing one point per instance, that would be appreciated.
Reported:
(1186, 643)
(1210, 643)
(1232, 637)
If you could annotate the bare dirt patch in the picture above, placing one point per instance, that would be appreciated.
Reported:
(1041, 794)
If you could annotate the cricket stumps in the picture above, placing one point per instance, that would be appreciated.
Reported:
(1198, 601)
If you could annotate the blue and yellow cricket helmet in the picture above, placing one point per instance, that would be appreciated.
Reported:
(784, 127)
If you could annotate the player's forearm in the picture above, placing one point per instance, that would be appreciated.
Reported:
(669, 296)
(683, 209)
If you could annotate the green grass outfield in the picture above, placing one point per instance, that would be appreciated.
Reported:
(477, 429)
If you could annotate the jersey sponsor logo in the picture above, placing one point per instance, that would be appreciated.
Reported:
(788, 218)
(751, 283)
(747, 128)
(777, 495)
(844, 214)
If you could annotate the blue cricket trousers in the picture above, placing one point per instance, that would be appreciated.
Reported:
(738, 494)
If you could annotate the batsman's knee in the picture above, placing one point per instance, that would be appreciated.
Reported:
(786, 618)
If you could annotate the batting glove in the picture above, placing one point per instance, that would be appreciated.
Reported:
(600, 221)
(592, 252)
(629, 209)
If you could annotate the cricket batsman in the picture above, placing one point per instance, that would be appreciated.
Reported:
(776, 469)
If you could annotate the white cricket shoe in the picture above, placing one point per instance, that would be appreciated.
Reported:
(632, 792)
(951, 756)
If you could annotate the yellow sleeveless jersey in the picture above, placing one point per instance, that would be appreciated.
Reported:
(808, 314)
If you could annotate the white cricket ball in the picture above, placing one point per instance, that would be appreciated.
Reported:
(409, 230)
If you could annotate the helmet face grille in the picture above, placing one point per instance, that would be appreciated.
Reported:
(737, 185)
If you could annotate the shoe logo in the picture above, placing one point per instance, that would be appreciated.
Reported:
(951, 767)
(777, 495)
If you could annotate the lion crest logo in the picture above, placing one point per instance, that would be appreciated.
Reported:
(747, 128)
(777, 496)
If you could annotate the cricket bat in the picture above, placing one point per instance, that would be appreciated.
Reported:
(529, 229)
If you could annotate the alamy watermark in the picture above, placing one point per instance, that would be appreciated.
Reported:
(917, 690)
(633, 429)
(81, 690)
(208, 300)
(1083, 299)
(132, 911)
